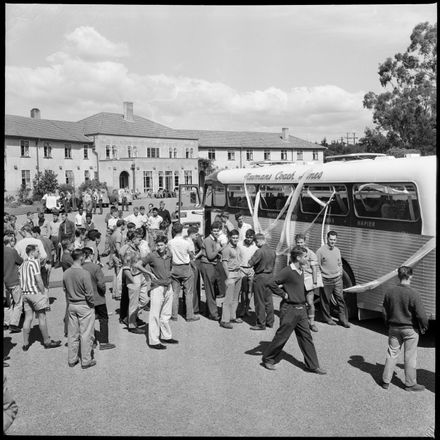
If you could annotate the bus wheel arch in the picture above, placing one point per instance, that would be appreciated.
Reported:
(350, 299)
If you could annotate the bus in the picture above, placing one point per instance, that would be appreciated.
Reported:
(383, 210)
(353, 156)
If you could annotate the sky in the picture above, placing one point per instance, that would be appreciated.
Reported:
(245, 68)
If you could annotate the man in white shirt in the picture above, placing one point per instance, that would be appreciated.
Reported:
(154, 221)
(20, 247)
(182, 251)
(50, 201)
(242, 227)
(80, 219)
(135, 218)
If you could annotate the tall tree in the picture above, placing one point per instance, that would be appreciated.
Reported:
(405, 114)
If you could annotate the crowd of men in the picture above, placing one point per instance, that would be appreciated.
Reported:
(154, 264)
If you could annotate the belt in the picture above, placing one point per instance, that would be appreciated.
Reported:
(296, 306)
(246, 267)
(233, 270)
(184, 264)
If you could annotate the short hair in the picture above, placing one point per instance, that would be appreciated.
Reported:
(65, 242)
(161, 239)
(55, 211)
(29, 213)
(78, 232)
(7, 239)
(77, 254)
(30, 248)
(120, 222)
(27, 228)
(177, 228)
(260, 236)
(131, 225)
(89, 215)
(131, 235)
(249, 233)
(141, 207)
(296, 252)
(87, 252)
(332, 233)
(36, 230)
(5, 213)
(63, 212)
(300, 237)
(155, 209)
(216, 225)
(93, 234)
(233, 232)
(113, 208)
(140, 232)
(237, 215)
(404, 272)
(193, 229)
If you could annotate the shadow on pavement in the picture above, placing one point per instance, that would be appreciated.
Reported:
(374, 370)
(8, 345)
(52, 299)
(35, 335)
(424, 377)
(259, 349)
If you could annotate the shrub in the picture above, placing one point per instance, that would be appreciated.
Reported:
(44, 183)
(23, 193)
(92, 184)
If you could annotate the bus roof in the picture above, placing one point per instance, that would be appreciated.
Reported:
(354, 156)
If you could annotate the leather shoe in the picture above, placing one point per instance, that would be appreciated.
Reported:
(194, 318)
(257, 327)
(330, 322)
(14, 329)
(75, 363)
(173, 318)
(52, 344)
(313, 328)
(269, 326)
(158, 346)
(416, 387)
(345, 324)
(91, 364)
(140, 323)
(269, 366)
(25, 347)
(136, 331)
(106, 346)
(5, 326)
(226, 325)
(384, 385)
(169, 341)
(213, 318)
(317, 371)
(237, 320)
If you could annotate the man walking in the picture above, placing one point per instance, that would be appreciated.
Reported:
(330, 263)
(34, 299)
(263, 262)
(182, 251)
(405, 317)
(81, 313)
(293, 314)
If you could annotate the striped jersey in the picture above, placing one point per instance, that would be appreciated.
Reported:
(28, 270)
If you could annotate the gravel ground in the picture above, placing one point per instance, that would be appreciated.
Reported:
(212, 383)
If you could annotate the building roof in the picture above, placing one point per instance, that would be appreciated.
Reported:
(115, 124)
(26, 127)
(248, 139)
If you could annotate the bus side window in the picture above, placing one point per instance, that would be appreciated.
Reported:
(218, 196)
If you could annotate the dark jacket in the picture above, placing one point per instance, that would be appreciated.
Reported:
(98, 281)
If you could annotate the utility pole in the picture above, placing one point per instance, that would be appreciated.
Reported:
(347, 140)
(342, 140)
(354, 138)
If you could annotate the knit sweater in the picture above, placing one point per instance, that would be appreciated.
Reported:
(78, 286)
(293, 285)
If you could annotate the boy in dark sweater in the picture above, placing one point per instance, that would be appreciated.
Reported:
(293, 314)
(405, 316)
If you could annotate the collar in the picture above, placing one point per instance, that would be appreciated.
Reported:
(293, 267)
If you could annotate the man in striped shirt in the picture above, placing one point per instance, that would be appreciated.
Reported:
(34, 299)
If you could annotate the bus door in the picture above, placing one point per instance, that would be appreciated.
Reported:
(191, 211)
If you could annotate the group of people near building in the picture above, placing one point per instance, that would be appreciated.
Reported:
(154, 264)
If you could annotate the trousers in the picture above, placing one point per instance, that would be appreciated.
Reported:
(101, 315)
(333, 287)
(409, 338)
(247, 283)
(16, 307)
(161, 298)
(80, 333)
(195, 266)
(208, 273)
(182, 276)
(263, 300)
(230, 303)
(292, 319)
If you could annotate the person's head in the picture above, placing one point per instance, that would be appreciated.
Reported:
(32, 251)
(140, 232)
(224, 216)
(192, 232)
(88, 253)
(177, 228)
(9, 240)
(233, 237)
(215, 229)
(404, 273)
(6, 216)
(78, 256)
(93, 234)
(239, 218)
(115, 212)
(27, 230)
(331, 239)
(150, 206)
(120, 223)
(36, 231)
(300, 240)
(161, 244)
(80, 211)
(260, 239)
(131, 226)
(29, 215)
(67, 244)
(249, 236)
(135, 210)
(41, 214)
(56, 214)
(298, 254)
(89, 217)
(63, 216)
(142, 209)
(12, 219)
(78, 233)
(162, 204)
(154, 212)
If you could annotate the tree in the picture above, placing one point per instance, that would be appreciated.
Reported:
(405, 114)
(92, 184)
(44, 183)
(400, 152)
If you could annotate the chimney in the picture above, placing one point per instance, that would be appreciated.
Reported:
(35, 113)
(128, 111)
(285, 136)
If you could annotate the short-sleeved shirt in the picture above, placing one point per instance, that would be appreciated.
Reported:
(231, 255)
(161, 267)
(155, 222)
(28, 270)
(242, 231)
(246, 253)
(180, 249)
(54, 228)
(138, 220)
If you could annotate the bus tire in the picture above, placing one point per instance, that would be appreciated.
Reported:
(350, 299)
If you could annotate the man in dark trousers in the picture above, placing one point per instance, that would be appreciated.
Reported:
(262, 262)
(66, 229)
(166, 217)
(293, 314)
(405, 317)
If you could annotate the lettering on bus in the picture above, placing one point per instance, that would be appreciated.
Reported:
(281, 175)
(366, 223)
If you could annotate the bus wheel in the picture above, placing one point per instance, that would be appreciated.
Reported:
(349, 298)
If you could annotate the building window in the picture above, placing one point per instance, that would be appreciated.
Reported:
(129, 151)
(95, 175)
(114, 152)
(148, 180)
(231, 155)
(300, 155)
(47, 150)
(69, 177)
(176, 179)
(135, 151)
(171, 153)
(283, 154)
(211, 153)
(249, 155)
(191, 152)
(26, 178)
(67, 151)
(86, 151)
(187, 153)
(86, 175)
(107, 151)
(188, 177)
(266, 154)
(160, 173)
(152, 152)
(169, 180)
(315, 155)
(24, 145)
(175, 152)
